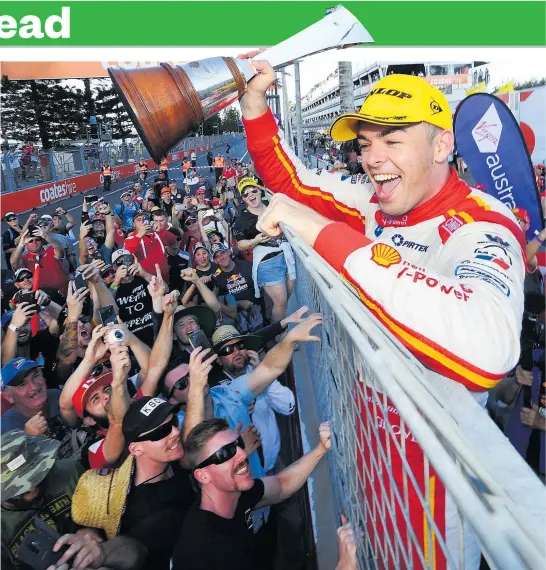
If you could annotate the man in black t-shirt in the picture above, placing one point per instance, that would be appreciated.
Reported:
(233, 277)
(217, 533)
(134, 301)
(161, 493)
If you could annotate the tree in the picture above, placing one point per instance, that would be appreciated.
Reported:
(24, 114)
(212, 126)
(230, 120)
(110, 110)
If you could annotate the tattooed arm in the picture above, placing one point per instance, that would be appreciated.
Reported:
(67, 352)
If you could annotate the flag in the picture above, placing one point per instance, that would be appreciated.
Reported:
(490, 141)
(505, 88)
(479, 88)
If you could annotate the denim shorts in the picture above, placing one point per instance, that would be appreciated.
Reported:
(272, 271)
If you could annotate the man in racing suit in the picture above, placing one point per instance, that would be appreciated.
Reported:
(438, 264)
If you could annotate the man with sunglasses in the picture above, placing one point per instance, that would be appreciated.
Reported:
(221, 516)
(35, 407)
(161, 492)
(43, 251)
(10, 235)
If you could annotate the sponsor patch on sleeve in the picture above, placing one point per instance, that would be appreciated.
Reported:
(470, 271)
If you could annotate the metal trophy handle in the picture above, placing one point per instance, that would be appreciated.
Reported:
(167, 103)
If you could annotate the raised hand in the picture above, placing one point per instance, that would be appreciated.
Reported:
(302, 332)
(200, 366)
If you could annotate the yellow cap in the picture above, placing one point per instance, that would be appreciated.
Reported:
(246, 181)
(396, 100)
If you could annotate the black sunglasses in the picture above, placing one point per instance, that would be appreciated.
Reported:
(11, 219)
(160, 432)
(230, 348)
(246, 194)
(26, 277)
(225, 453)
(100, 368)
(180, 384)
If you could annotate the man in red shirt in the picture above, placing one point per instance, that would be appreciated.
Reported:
(230, 173)
(149, 246)
(43, 252)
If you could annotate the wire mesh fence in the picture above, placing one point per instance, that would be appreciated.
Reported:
(19, 173)
(416, 465)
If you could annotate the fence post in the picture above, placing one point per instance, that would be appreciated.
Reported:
(84, 162)
(9, 176)
(52, 166)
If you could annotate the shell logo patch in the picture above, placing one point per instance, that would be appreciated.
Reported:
(385, 255)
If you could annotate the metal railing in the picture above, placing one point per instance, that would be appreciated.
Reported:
(58, 165)
(416, 463)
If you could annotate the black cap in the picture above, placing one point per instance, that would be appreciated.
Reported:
(145, 415)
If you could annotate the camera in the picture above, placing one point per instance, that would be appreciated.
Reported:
(115, 335)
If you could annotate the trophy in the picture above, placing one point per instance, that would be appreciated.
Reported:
(166, 103)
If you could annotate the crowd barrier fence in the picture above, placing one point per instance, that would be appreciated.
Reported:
(62, 174)
(384, 407)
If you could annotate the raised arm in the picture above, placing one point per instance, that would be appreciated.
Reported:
(282, 486)
(54, 243)
(200, 367)
(161, 351)
(22, 314)
(96, 349)
(114, 442)
(278, 358)
(67, 353)
(209, 297)
(15, 259)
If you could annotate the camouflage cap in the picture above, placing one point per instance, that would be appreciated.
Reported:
(26, 461)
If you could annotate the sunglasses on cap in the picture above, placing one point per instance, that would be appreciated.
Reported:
(225, 453)
(190, 222)
(160, 432)
(35, 240)
(230, 348)
(101, 368)
(23, 277)
(124, 260)
(180, 384)
(248, 192)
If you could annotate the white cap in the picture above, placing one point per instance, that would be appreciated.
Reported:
(118, 253)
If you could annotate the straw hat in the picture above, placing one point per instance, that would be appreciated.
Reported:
(99, 499)
(225, 333)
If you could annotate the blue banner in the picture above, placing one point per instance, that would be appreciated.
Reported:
(490, 141)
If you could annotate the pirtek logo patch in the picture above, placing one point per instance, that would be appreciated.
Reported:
(391, 92)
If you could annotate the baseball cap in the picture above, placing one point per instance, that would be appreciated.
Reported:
(246, 181)
(86, 388)
(14, 371)
(217, 248)
(118, 253)
(396, 100)
(144, 415)
(140, 213)
(200, 190)
(26, 461)
(522, 214)
(165, 190)
(10, 215)
(22, 271)
(199, 245)
(125, 194)
(46, 217)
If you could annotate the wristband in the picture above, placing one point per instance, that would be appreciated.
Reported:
(540, 241)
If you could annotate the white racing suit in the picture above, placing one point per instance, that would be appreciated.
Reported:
(446, 280)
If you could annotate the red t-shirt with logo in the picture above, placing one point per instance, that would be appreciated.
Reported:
(52, 273)
(150, 250)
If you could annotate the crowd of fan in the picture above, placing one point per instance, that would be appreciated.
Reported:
(143, 366)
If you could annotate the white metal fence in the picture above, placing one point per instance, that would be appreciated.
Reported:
(417, 465)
